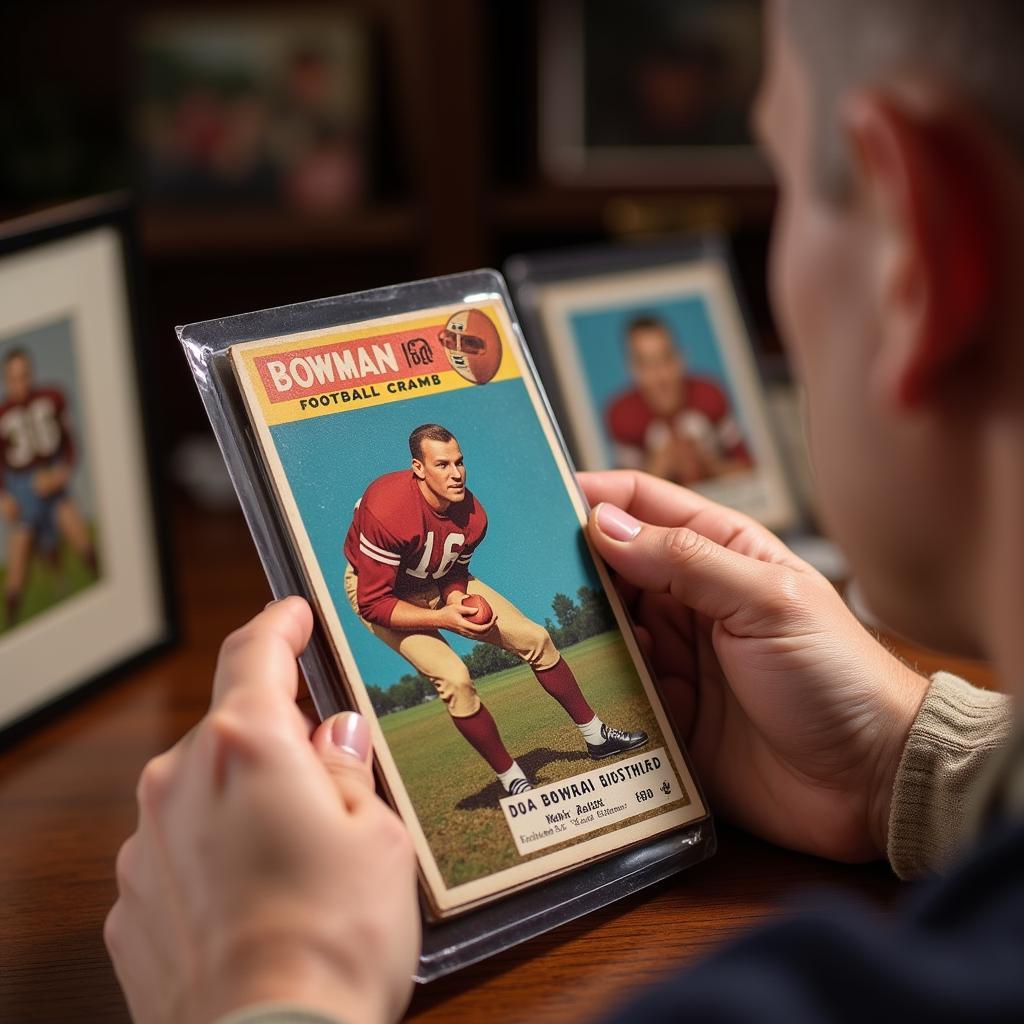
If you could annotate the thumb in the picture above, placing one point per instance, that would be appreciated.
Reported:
(730, 588)
(345, 748)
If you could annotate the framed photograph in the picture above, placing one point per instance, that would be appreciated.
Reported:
(82, 559)
(649, 362)
(267, 108)
(656, 93)
(517, 728)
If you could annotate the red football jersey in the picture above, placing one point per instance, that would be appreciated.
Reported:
(704, 417)
(397, 543)
(34, 432)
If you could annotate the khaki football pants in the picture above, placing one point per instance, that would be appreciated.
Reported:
(429, 653)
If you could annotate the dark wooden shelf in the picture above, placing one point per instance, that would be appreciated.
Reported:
(171, 232)
(630, 210)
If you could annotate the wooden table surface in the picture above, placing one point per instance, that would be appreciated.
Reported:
(67, 802)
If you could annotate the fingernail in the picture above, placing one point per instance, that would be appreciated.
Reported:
(615, 523)
(351, 733)
(271, 603)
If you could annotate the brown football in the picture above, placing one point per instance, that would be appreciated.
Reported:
(483, 611)
(472, 345)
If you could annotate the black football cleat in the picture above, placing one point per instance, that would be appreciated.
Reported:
(519, 786)
(616, 741)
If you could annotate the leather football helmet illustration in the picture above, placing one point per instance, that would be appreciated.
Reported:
(472, 345)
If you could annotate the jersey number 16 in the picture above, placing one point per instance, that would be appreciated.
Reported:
(452, 547)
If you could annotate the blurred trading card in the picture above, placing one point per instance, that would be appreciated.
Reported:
(436, 517)
(655, 371)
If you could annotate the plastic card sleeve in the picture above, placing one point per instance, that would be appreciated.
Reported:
(526, 910)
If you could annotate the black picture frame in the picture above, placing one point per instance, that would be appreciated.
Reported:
(28, 242)
(658, 97)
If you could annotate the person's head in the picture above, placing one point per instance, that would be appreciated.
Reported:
(437, 463)
(896, 128)
(309, 78)
(655, 363)
(17, 371)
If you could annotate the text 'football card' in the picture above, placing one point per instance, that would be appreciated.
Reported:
(438, 523)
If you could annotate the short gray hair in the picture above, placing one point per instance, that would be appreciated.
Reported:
(974, 45)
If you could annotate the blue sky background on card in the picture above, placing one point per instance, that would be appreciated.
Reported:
(533, 547)
(53, 364)
(600, 337)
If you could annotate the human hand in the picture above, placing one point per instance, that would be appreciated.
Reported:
(454, 616)
(690, 463)
(795, 716)
(675, 457)
(47, 482)
(264, 868)
(8, 506)
(729, 466)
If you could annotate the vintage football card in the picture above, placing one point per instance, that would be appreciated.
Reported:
(436, 520)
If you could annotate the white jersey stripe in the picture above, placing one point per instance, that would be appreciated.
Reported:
(378, 558)
(729, 434)
(363, 539)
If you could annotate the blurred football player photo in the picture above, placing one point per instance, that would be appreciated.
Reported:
(37, 461)
(409, 548)
(654, 368)
(672, 423)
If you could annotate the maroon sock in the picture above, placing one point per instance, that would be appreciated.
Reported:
(482, 734)
(561, 684)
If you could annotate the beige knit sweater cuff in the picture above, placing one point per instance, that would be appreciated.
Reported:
(277, 1013)
(951, 745)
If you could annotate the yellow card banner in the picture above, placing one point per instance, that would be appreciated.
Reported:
(343, 370)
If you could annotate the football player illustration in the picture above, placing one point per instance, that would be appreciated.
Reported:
(37, 457)
(671, 423)
(409, 548)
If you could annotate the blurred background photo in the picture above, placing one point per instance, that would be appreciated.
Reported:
(48, 532)
(253, 108)
(663, 94)
(279, 152)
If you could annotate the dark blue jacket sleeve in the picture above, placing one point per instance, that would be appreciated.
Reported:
(954, 952)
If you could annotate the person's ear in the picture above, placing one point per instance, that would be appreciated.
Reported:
(930, 186)
(417, 469)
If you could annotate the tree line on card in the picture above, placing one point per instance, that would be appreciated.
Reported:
(589, 615)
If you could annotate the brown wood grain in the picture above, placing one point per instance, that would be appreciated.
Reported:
(927, 662)
(67, 802)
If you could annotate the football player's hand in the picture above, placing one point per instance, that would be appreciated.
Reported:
(264, 868)
(8, 506)
(688, 463)
(729, 467)
(47, 482)
(795, 716)
(455, 617)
